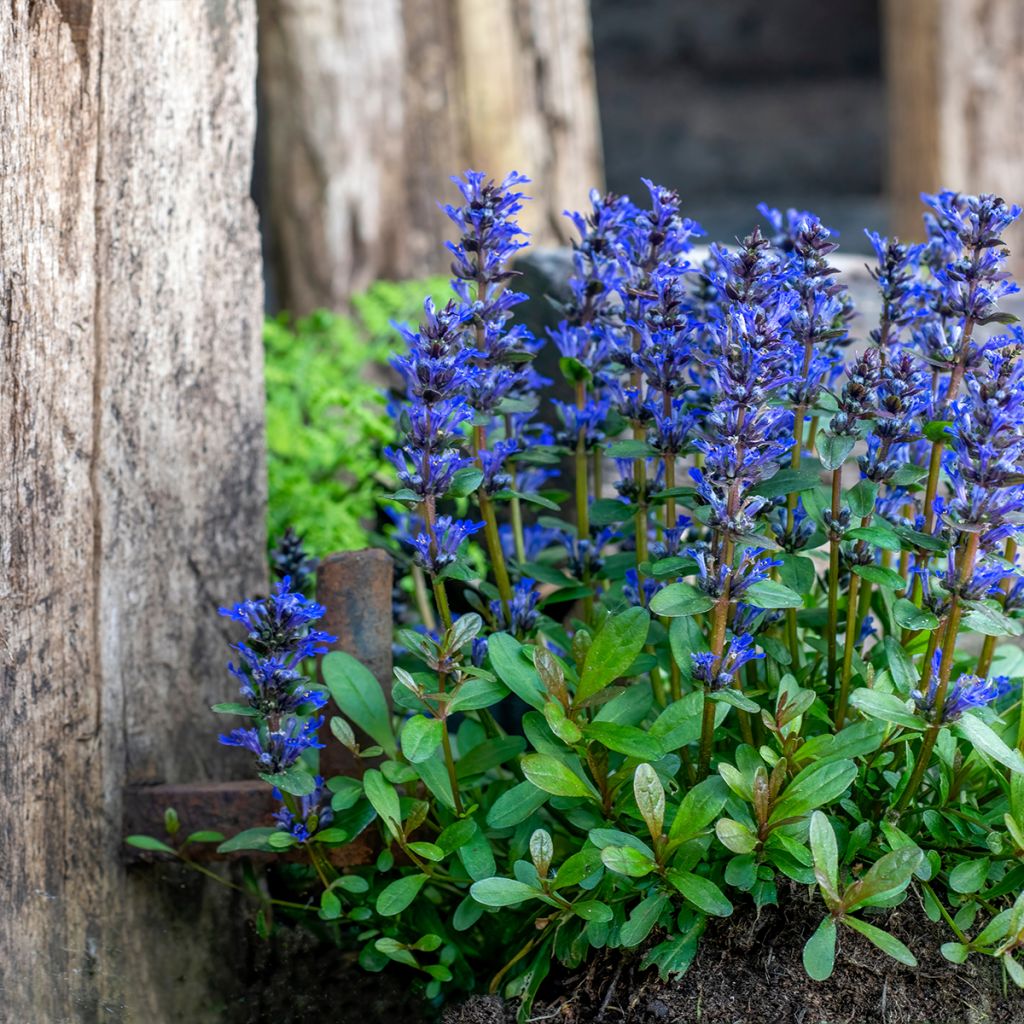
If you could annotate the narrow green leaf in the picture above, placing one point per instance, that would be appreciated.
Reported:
(886, 707)
(250, 839)
(554, 777)
(296, 780)
(626, 739)
(151, 844)
(701, 892)
(516, 805)
(384, 800)
(883, 940)
(988, 742)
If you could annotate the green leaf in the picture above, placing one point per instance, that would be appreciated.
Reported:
(789, 481)
(735, 836)
(606, 511)
(629, 450)
(701, 892)
(420, 737)
(796, 572)
(395, 897)
(1013, 969)
(519, 675)
(861, 498)
(988, 742)
(250, 839)
(154, 845)
(989, 621)
(235, 709)
(887, 877)
(969, 875)
(901, 666)
(909, 616)
(877, 536)
(674, 956)
(883, 940)
(489, 754)
(825, 852)
(465, 482)
(475, 694)
(205, 836)
(554, 777)
(615, 647)
(626, 861)
(881, 576)
(516, 805)
(701, 805)
(642, 919)
(771, 594)
(384, 800)
(358, 694)
(650, 798)
(626, 739)
(680, 599)
(593, 910)
(833, 449)
(955, 952)
(817, 785)
(502, 892)
(820, 951)
(296, 780)
(886, 707)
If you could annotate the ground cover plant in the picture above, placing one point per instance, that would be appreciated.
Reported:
(327, 418)
(755, 640)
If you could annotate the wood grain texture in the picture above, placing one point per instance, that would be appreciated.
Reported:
(132, 498)
(371, 105)
(955, 86)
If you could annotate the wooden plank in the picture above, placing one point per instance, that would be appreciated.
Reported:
(133, 497)
(370, 106)
(955, 89)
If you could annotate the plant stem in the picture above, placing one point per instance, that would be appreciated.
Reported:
(967, 559)
(707, 730)
(849, 641)
(441, 599)
(449, 760)
(831, 638)
(419, 585)
(516, 508)
(583, 495)
(989, 646)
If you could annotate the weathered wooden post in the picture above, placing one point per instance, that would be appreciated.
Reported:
(370, 106)
(955, 86)
(132, 493)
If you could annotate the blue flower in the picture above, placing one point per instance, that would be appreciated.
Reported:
(277, 749)
(740, 651)
(435, 554)
(279, 625)
(969, 691)
(522, 609)
(314, 809)
(274, 686)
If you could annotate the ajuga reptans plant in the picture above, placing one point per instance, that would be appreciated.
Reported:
(751, 635)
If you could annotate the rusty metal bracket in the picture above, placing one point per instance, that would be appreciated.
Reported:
(355, 588)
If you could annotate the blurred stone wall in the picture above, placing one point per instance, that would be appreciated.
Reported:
(738, 101)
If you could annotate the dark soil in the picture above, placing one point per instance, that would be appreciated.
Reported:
(749, 971)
